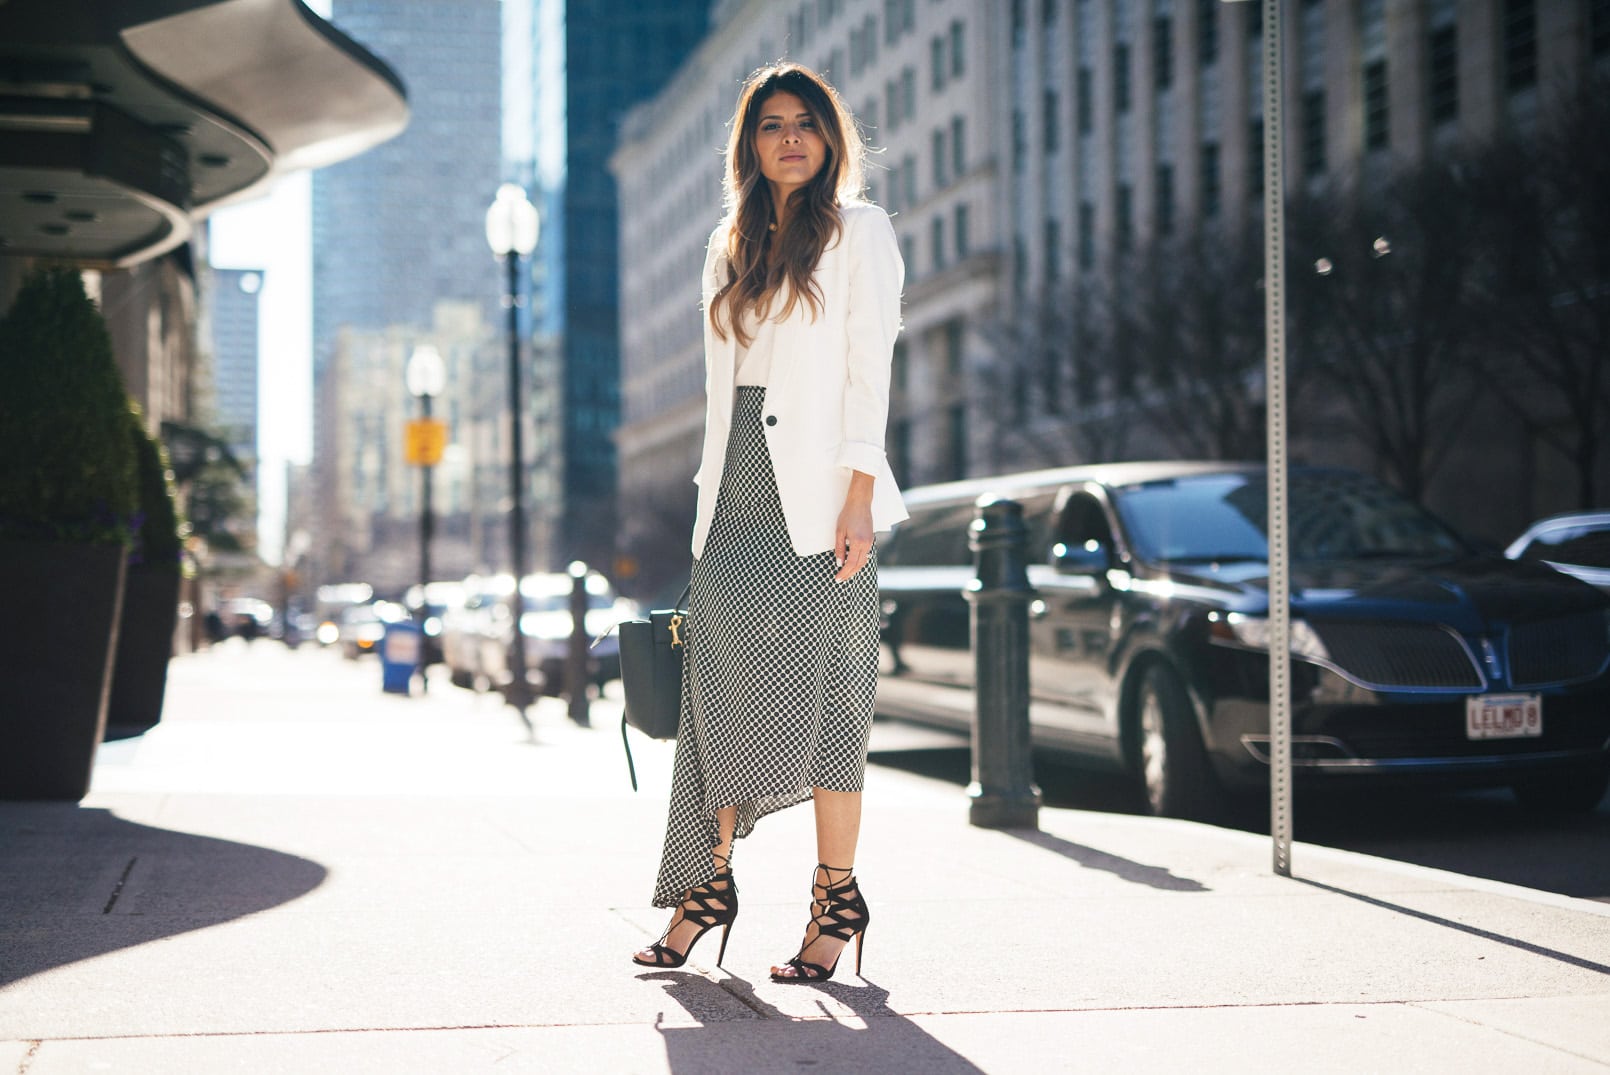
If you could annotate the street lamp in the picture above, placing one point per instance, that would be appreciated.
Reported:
(511, 232)
(426, 376)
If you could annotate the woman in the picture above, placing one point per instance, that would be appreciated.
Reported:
(801, 294)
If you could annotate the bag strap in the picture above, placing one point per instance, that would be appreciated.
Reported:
(627, 743)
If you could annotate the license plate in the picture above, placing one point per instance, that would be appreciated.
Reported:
(1504, 716)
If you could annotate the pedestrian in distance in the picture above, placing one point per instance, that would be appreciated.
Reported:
(801, 299)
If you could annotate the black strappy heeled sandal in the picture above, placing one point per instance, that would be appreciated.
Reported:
(839, 912)
(707, 907)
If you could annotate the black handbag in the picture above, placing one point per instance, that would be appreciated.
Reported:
(651, 674)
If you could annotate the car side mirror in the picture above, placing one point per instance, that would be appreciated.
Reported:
(1089, 558)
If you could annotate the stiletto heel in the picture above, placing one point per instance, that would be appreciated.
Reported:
(707, 907)
(841, 913)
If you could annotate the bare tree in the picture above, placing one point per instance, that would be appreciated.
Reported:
(1544, 286)
(1059, 392)
(1192, 322)
(1383, 281)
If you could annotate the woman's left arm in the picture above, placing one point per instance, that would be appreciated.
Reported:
(877, 276)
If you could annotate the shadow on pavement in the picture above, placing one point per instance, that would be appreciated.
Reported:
(78, 883)
(887, 1040)
(1122, 868)
(1499, 938)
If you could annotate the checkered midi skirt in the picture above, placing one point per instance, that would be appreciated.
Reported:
(780, 671)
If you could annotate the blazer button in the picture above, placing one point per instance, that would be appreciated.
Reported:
(771, 419)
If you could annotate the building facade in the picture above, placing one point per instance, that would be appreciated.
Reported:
(396, 233)
(368, 497)
(1033, 155)
(589, 63)
(232, 313)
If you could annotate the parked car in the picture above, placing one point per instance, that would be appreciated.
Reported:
(363, 626)
(1414, 656)
(467, 629)
(546, 624)
(430, 606)
(1577, 543)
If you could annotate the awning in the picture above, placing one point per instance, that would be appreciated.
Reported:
(121, 124)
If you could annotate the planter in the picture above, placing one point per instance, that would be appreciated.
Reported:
(144, 644)
(57, 643)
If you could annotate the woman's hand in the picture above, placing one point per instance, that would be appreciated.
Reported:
(852, 542)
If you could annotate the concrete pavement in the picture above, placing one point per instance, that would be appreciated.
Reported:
(296, 873)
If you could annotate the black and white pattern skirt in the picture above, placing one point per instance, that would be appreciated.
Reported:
(781, 667)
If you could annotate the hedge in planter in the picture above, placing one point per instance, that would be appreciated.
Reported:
(67, 503)
(150, 596)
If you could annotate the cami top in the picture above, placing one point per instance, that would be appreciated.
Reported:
(753, 363)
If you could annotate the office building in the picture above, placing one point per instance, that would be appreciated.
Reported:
(232, 301)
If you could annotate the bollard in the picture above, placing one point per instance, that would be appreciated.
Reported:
(1002, 793)
(576, 659)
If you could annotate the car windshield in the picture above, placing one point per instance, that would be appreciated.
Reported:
(1334, 515)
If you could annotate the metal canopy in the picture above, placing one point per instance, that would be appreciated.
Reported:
(121, 124)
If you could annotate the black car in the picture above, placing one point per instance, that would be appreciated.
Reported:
(1416, 657)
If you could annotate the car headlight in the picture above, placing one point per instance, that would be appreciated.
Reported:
(1253, 633)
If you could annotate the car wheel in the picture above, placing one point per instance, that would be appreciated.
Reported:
(1570, 791)
(1173, 763)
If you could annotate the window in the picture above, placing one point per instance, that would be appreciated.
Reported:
(1053, 251)
(908, 89)
(939, 62)
(958, 441)
(954, 331)
(1254, 19)
(1019, 21)
(1163, 52)
(1599, 27)
(1255, 159)
(899, 366)
(959, 232)
(1048, 11)
(1020, 140)
(937, 227)
(1087, 236)
(892, 202)
(1082, 101)
(1020, 262)
(1120, 77)
(958, 48)
(1207, 31)
(958, 147)
(900, 451)
(940, 158)
(1376, 133)
(1051, 124)
(1124, 206)
(891, 103)
(1520, 44)
(908, 253)
(1210, 179)
(1313, 132)
(908, 172)
(1442, 85)
(1165, 199)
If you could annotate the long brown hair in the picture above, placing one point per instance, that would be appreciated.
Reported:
(759, 261)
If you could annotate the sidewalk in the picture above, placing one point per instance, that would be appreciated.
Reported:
(296, 873)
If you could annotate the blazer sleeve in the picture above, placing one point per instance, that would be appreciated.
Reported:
(877, 277)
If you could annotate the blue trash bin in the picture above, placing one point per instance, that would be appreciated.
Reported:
(401, 648)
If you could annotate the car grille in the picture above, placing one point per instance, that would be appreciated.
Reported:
(1557, 651)
(1400, 655)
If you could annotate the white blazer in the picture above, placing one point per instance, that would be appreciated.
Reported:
(827, 397)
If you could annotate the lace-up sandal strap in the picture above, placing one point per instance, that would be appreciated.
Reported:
(808, 971)
(844, 912)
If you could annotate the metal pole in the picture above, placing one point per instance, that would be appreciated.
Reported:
(576, 656)
(1274, 292)
(519, 690)
(1002, 793)
(426, 525)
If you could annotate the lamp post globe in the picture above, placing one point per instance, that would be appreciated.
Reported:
(511, 231)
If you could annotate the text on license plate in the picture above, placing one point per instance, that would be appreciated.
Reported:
(1503, 716)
